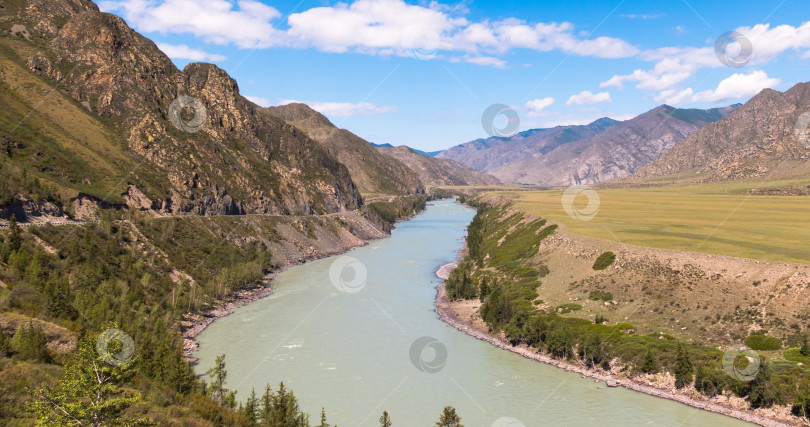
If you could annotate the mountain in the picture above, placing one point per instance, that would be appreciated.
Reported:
(372, 171)
(426, 153)
(601, 151)
(96, 115)
(757, 140)
(434, 171)
(492, 153)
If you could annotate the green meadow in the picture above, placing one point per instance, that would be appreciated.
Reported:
(709, 218)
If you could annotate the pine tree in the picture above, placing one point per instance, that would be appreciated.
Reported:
(218, 376)
(801, 405)
(251, 408)
(91, 393)
(449, 418)
(5, 344)
(281, 409)
(30, 343)
(761, 393)
(385, 420)
(805, 348)
(323, 419)
(266, 411)
(683, 368)
(650, 364)
(483, 289)
(15, 238)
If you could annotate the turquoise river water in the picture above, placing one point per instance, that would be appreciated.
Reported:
(346, 333)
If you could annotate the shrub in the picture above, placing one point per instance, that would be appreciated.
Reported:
(604, 261)
(795, 355)
(709, 381)
(598, 295)
(567, 308)
(763, 342)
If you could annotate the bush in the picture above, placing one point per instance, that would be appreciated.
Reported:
(763, 342)
(598, 295)
(795, 355)
(604, 261)
(567, 308)
(709, 381)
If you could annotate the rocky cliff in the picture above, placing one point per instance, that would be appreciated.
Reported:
(97, 110)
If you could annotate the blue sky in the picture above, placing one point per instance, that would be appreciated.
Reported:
(423, 73)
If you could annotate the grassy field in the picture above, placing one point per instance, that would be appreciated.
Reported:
(710, 218)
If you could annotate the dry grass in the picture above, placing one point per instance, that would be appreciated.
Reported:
(713, 218)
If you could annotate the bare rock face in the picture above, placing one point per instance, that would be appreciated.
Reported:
(188, 141)
(604, 150)
(23, 209)
(757, 140)
(433, 171)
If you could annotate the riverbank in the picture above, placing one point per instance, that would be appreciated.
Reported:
(453, 313)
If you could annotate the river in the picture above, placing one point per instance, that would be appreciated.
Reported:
(353, 342)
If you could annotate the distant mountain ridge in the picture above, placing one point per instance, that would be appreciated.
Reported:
(487, 155)
(757, 140)
(603, 150)
(433, 171)
(426, 153)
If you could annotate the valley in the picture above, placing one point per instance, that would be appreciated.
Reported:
(182, 243)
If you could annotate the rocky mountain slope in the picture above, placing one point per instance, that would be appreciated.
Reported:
(602, 151)
(433, 171)
(93, 111)
(371, 171)
(758, 140)
(492, 153)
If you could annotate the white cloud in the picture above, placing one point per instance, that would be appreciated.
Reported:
(377, 27)
(184, 52)
(536, 106)
(666, 74)
(258, 100)
(676, 65)
(586, 97)
(486, 60)
(248, 25)
(734, 87)
(643, 15)
(345, 109)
